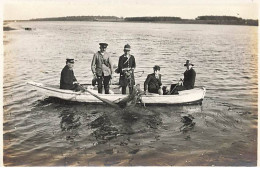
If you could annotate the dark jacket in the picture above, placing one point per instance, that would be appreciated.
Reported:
(189, 79)
(152, 83)
(124, 62)
(67, 78)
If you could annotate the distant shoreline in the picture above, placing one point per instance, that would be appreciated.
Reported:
(7, 28)
(206, 22)
(213, 20)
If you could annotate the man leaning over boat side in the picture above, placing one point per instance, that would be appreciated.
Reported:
(101, 67)
(67, 79)
(188, 81)
(153, 82)
(126, 66)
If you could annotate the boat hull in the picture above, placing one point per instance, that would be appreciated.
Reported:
(193, 96)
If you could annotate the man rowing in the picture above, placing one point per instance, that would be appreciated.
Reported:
(126, 66)
(67, 79)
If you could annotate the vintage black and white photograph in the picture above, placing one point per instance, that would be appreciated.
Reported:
(127, 83)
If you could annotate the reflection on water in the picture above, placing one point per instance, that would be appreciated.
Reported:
(103, 129)
(40, 131)
(188, 123)
(70, 122)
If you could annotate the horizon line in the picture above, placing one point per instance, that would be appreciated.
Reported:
(122, 17)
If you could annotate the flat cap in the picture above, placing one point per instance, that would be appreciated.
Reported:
(70, 60)
(103, 44)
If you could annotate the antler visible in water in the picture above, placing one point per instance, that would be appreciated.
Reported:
(132, 98)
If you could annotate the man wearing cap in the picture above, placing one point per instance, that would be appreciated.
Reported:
(101, 67)
(188, 81)
(153, 82)
(67, 79)
(126, 66)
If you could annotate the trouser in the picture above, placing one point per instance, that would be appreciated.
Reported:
(124, 90)
(175, 88)
(103, 80)
(153, 90)
(77, 87)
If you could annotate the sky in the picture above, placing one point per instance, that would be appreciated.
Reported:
(186, 9)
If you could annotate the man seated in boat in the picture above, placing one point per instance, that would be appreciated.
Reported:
(188, 81)
(67, 79)
(153, 82)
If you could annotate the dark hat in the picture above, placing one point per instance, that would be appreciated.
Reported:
(188, 63)
(70, 60)
(156, 67)
(103, 44)
(127, 47)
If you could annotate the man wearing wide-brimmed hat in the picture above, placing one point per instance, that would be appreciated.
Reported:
(188, 81)
(67, 79)
(189, 76)
(126, 66)
(101, 67)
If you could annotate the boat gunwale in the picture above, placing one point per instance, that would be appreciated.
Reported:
(196, 102)
(83, 93)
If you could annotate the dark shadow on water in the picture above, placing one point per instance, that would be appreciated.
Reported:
(107, 123)
(188, 123)
(103, 129)
(70, 123)
(139, 114)
(54, 100)
(124, 123)
(69, 120)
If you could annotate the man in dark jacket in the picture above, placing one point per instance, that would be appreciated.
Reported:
(188, 81)
(67, 79)
(189, 76)
(126, 66)
(153, 81)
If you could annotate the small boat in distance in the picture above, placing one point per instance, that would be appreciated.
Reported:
(28, 29)
(192, 96)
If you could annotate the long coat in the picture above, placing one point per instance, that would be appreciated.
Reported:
(124, 62)
(189, 79)
(67, 78)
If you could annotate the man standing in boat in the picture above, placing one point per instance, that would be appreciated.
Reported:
(101, 67)
(67, 79)
(126, 66)
(188, 81)
(153, 82)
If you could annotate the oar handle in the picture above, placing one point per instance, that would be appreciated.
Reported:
(176, 86)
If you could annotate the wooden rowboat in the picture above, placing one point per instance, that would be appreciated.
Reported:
(192, 96)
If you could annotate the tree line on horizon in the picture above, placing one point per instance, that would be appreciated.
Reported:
(207, 19)
(211, 17)
(77, 18)
(147, 18)
(150, 19)
(226, 20)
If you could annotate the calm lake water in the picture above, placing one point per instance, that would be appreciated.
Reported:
(41, 131)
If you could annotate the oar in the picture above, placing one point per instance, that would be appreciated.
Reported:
(142, 72)
(122, 103)
(175, 86)
(100, 98)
